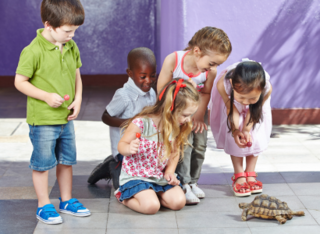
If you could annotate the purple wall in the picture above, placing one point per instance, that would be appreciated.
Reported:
(111, 30)
(283, 35)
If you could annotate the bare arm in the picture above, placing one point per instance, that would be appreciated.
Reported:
(24, 86)
(166, 73)
(205, 92)
(198, 118)
(128, 143)
(76, 104)
(226, 100)
(172, 163)
(78, 85)
(112, 121)
(222, 92)
(236, 133)
(171, 168)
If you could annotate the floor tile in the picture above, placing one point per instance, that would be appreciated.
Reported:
(286, 229)
(289, 170)
(206, 178)
(210, 219)
(270, 177)
(95, 221)
(213, 204)
(161, 220)
(70, 231)
(81, 189)
(301, 177)
(18, 215)
(8, 128)
(289, 158)
(19, 171)
(215, 231)
(14, 181)
(2, 170)
(217, 190)
(19, 193)
(295, 167)
(141, 231)
(303, 189)
(292, 150)
(310, 202)
(85, 168)
(315, 214)
(277, 189)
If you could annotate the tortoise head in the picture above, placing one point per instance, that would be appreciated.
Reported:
(243, 205)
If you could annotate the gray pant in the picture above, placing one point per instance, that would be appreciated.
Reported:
(190, 168)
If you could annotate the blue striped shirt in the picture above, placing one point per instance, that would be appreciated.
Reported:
(126, 103)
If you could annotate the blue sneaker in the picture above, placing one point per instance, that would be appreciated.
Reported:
(48, 214)
(73, 207)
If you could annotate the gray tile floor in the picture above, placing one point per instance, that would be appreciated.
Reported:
(289, 169)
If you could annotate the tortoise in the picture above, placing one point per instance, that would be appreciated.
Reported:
(268, 207)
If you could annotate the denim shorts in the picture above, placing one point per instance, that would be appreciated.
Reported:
(133, 187)
(52, 145)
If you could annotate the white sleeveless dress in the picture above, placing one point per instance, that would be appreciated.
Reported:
(179, 72)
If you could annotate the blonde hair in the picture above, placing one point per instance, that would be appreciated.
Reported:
(211, 38)
(168, 119)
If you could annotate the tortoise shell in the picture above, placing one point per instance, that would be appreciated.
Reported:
(268, 206)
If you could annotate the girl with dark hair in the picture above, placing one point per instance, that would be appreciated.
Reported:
(241, 120)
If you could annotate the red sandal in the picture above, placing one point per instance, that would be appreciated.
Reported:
(254, 183)
(238, 187)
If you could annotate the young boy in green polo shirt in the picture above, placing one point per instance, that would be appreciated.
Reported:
(48, 70)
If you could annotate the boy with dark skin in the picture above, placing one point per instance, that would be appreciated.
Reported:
(128, 101)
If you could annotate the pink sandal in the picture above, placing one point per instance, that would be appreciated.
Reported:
(238, 187)
(254, 183)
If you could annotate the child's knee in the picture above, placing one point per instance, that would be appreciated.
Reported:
(178, 203)
(151, 207)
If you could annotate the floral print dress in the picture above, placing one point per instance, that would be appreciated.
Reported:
(147, 164)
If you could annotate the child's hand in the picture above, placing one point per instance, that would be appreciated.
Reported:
(198, 124)
(239, 138)
(247, 136)
(54, 100)
(171, 178)
(76, 106)
(134, 146)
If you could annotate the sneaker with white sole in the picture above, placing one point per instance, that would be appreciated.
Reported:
(73, 207)
(197, 191)
(191, 198)
(48, 215)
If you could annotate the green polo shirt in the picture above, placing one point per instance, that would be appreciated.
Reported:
(53, 72)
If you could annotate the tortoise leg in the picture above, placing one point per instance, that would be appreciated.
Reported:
(244, 214)
(281, 219)
(298, 213)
